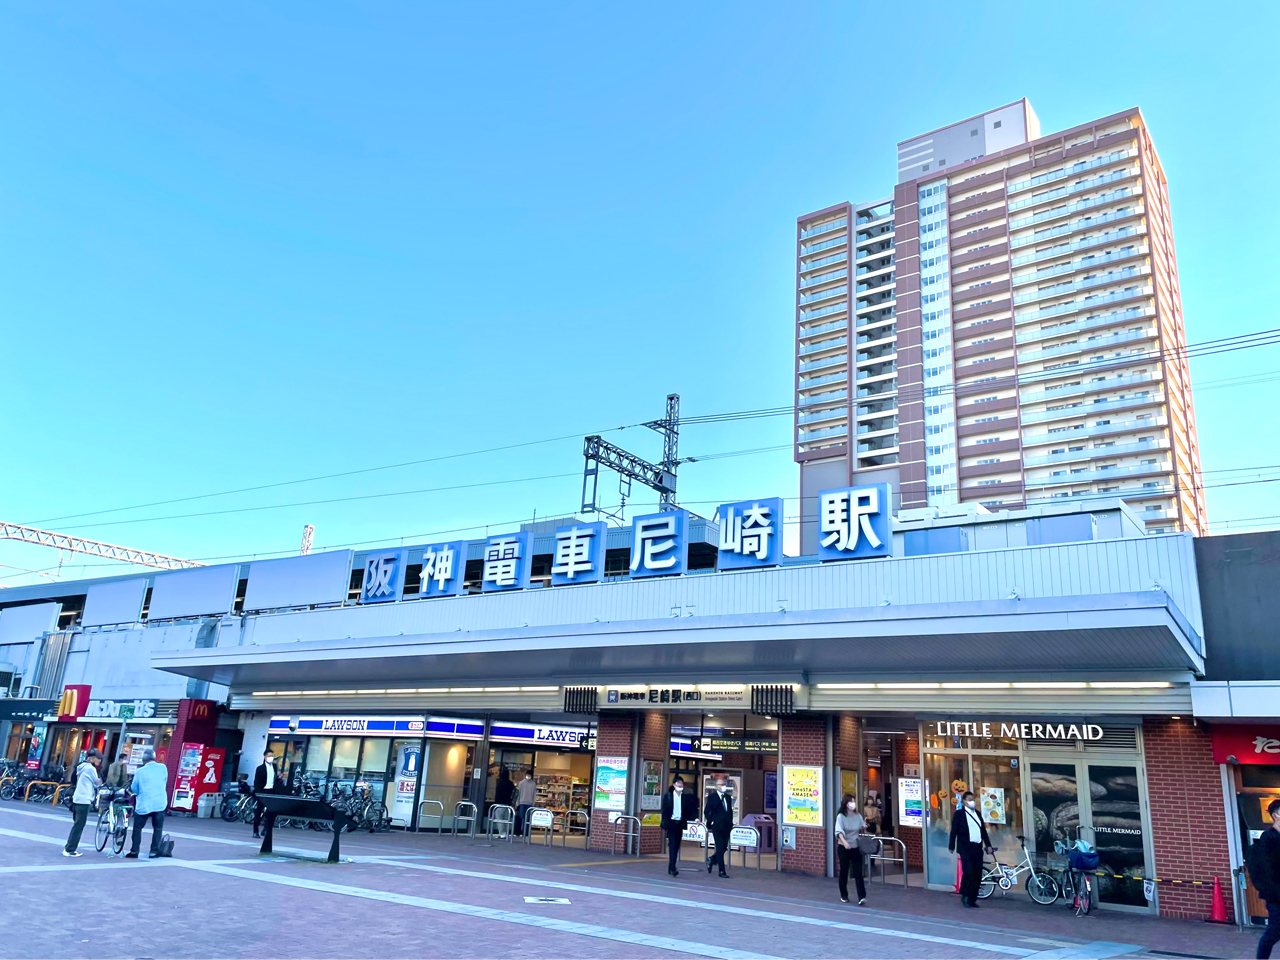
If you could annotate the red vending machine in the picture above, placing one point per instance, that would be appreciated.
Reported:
(199, 772)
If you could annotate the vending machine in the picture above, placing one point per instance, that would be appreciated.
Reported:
(199, 772)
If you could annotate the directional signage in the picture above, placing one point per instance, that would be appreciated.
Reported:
(733, 745)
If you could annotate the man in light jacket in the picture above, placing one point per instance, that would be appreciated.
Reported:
(85, 793)
(151, 787)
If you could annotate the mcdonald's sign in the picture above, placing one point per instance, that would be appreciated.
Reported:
(200, 710)
(74, 702)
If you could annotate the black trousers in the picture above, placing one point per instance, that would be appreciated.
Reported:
(674, 838)
(1271, 935)
(851, 860)
(721, 838)
(157, 830)
(80, 811)
(970, 871)
(258, 811)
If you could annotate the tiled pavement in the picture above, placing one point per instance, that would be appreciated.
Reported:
(422, 895)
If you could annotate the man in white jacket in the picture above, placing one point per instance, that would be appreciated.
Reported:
(86, 791)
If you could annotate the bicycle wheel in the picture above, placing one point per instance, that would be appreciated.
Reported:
(1042, 888)
(1086, 898)
(6, 792)
(247, 811)
(229, 812)
(103, 830)
(122, 832)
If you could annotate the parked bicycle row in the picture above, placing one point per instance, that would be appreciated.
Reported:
(363, 810)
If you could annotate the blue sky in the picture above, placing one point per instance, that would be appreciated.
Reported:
(248, 244)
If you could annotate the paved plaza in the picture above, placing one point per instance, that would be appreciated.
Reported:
(428, 896)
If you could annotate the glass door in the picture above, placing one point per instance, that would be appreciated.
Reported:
(946, 778)
(1115, 808)
(1055, 804)
(373, 766)
(997, 787)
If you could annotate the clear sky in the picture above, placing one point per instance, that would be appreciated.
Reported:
(243, 244)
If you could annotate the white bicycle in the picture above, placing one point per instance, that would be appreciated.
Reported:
(1041, 887)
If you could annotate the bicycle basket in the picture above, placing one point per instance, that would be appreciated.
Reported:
(1080, 860)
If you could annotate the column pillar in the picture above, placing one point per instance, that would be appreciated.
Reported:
(803, 740)
(655, 747)
(196, 722)
(614, 733)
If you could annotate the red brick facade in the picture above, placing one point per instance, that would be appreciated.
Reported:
(908, 750)
(803, 740)
(655, 745)
(1188, 823)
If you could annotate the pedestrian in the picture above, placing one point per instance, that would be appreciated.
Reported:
(118, 772)
(151, 787)
(718, 814)
(678, 810)
(265, 780)
(849, 826)
(85, 793)
(1264, 871)
(968, 840)
(871, 813)
(526, 797)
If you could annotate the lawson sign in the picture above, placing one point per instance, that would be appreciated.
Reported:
(571, 737)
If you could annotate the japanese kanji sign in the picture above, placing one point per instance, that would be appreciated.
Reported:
(444, 566)
(853, 523)
(660, 544)
(506, 562)
(750, 534)
(383, 576)
(579, 556)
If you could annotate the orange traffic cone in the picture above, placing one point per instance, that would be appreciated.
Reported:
(957, 889)
(1218, 909)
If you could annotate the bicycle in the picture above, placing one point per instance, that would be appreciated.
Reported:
(113, 819)
(1077, 878)
(1041, 887)
(238, 807)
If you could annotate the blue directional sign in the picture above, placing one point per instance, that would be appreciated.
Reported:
(444, 567)
(579, 556)
(383, 576)
(660, 544)
(507, 558)
(853, 523)
(750, 534)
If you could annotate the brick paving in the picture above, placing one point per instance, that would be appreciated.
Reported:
(445, 897)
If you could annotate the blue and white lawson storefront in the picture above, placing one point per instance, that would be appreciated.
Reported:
(877, 665)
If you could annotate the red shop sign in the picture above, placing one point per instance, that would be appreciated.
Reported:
(1246, 743)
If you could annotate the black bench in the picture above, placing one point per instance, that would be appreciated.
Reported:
(302, 808)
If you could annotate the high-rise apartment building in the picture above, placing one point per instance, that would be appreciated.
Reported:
(1005, 329)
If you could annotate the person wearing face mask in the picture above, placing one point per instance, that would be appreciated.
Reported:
(718, 814)
(850, 824)
(968, 840)
(1264, 870)
(678, 810)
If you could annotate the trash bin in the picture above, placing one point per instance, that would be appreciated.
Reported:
(207, 805)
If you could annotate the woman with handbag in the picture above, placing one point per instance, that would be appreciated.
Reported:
(849, 835)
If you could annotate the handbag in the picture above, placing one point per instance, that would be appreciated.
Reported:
(868, 845)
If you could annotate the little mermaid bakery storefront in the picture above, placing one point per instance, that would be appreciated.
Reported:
(1050, 678)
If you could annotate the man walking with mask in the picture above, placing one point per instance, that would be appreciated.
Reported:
(265, 780)
(678, 810)
(968, 840)
(719, 817)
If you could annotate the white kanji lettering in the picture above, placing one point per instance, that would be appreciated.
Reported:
(377, 577)
(573, 551)
(649, 543)
(842, 521)
(437, 565)
(749, 533)
(502, 561)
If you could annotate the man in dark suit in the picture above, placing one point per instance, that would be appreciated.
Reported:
(679, 809)
(265, 780)
(718, 814)
(968, 840)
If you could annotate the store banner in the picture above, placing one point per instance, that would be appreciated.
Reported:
(802, 796)
(74, 702)
(408, 763)
(611, 783)
(1246, 743)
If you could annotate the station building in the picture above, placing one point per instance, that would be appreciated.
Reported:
(1044, 658)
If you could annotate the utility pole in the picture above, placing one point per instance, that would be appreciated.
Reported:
(660, 477)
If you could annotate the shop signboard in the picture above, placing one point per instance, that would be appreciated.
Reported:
(579, 555)
(443, 569)
(1246, 744)
(802, 796)
(75, 699)
(706, 695)
(651, 798)
(910, 802)
(369, 726)
(571, 737)
(1018, 729)
(733, 745)
(853, 523)
(507, 558)
(121, 710)
(750, 534)
(384, 576)
(611, 783)
(660, 544)
(36, 748)
(408, 763)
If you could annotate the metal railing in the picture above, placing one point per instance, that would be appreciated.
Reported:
(464, 811)
(26, 794)
(542, 819)
(872, 858)
(627, 834)
(567, 825)
(439, 816)
(501, 822)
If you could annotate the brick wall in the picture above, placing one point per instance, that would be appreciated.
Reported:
(803, 740)
(847, 747)
(1185, 788)
(655, 744)
(613, 739)
(908, 751)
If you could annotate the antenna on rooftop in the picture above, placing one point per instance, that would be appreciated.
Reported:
(308, 532)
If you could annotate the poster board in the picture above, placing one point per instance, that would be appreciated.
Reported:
(801, 801)
(910, 802)
(611, 783)
(651, 797)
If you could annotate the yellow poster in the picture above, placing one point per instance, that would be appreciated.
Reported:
(802, 796)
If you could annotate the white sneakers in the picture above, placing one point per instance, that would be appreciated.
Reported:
(67, 853)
